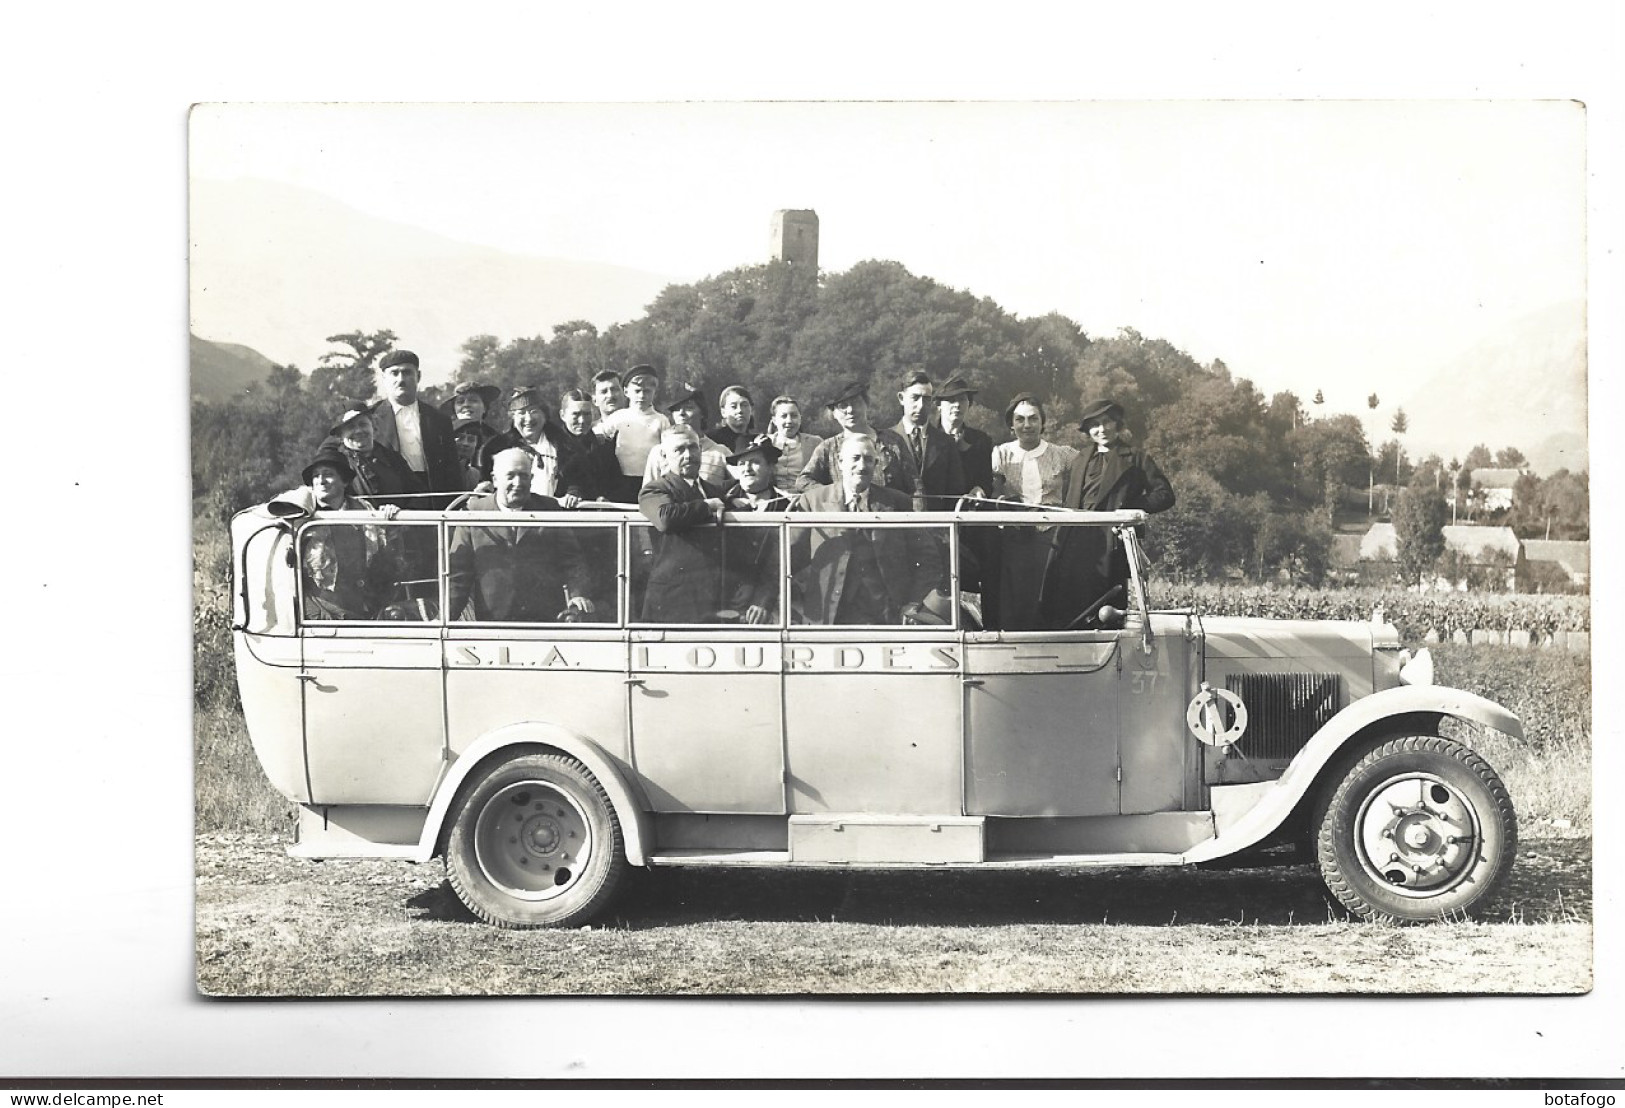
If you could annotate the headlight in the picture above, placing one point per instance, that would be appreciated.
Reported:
(1416, 669)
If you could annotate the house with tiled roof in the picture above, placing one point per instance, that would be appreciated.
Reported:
(1490, 556)
(1494, 487)
(1571, 557)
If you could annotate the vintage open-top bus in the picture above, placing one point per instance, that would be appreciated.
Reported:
(542, 754)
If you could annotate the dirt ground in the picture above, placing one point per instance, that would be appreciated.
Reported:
(268, 925)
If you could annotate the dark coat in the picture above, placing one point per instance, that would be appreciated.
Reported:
(685, 574)
(445, 472)
(908, 560)
(1087, 563)
(514, 574)
(1131, 480)
(379, 474)
(753, 556)
(588, 467)
(348, 569)
(507, 440)
(940, 475)
(976, 456)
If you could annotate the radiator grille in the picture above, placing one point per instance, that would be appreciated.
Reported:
(1284, 710)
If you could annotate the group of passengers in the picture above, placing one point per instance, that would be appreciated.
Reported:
(620, 444)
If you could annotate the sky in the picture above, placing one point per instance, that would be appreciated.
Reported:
(1346, 246)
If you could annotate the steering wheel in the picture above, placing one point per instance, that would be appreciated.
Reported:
(1090, 611)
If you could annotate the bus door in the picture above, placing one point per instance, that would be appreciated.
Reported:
(872, 689)
(705, 686)
(1042, 698)
(374, 710)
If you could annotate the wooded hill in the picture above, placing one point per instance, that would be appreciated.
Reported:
(1261, 481)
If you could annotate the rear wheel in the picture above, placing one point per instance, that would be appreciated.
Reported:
(536, 843)
(1418, 828)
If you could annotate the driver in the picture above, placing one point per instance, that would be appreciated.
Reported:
(513, 574)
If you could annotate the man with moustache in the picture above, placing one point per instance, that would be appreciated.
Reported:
(418, 432)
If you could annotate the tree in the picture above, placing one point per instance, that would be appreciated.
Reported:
(1399, 424)
(1320, 398)
(1419, 519)
(1510, 457)
(346, 375)
(1479, 457)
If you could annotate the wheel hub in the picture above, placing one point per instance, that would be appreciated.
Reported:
(1418, 835)
(532, 840)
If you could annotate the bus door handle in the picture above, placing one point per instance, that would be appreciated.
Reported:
(306, 676)
(635, 681)
(974, 682)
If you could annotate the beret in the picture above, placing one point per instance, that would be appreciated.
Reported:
(399, 357)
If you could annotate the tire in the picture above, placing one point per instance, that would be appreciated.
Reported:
(535, 843)
(1419, 828)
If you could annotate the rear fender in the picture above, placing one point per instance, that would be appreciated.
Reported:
(636, 829)
(1414, 708)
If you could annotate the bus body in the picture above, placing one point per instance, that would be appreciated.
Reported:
(541, 755)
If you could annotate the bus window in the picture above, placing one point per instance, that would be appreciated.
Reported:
(866, 576)
(531, 573)
(368, 571)
(706, 575)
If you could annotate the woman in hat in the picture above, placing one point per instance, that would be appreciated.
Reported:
(687, 409)
(795, 446)
(1089, 565)
(468, 406)
(376, 470)
(536, 431)
(347, 570)
(849, 408)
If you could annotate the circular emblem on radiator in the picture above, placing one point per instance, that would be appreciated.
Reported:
(1216, 717)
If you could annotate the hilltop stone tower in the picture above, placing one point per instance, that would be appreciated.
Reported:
(795, 237)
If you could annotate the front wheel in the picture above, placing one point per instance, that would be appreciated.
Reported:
(1418, 828)
(536, 843)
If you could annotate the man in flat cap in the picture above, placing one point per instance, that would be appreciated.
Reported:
(417, 432)
(1087, 563)
(849, 408)
(636, 429)
(940, 474)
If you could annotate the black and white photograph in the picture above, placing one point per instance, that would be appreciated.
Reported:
(809, 550)
(1218, 587)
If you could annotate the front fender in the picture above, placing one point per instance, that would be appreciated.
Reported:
(1409, 705)
(635, 823)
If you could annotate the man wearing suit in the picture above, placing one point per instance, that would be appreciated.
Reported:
(685, 574)
(941, 473)
(858, 575)
(420, 433)
(515, 574)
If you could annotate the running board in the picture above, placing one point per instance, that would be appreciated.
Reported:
(780, 859)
